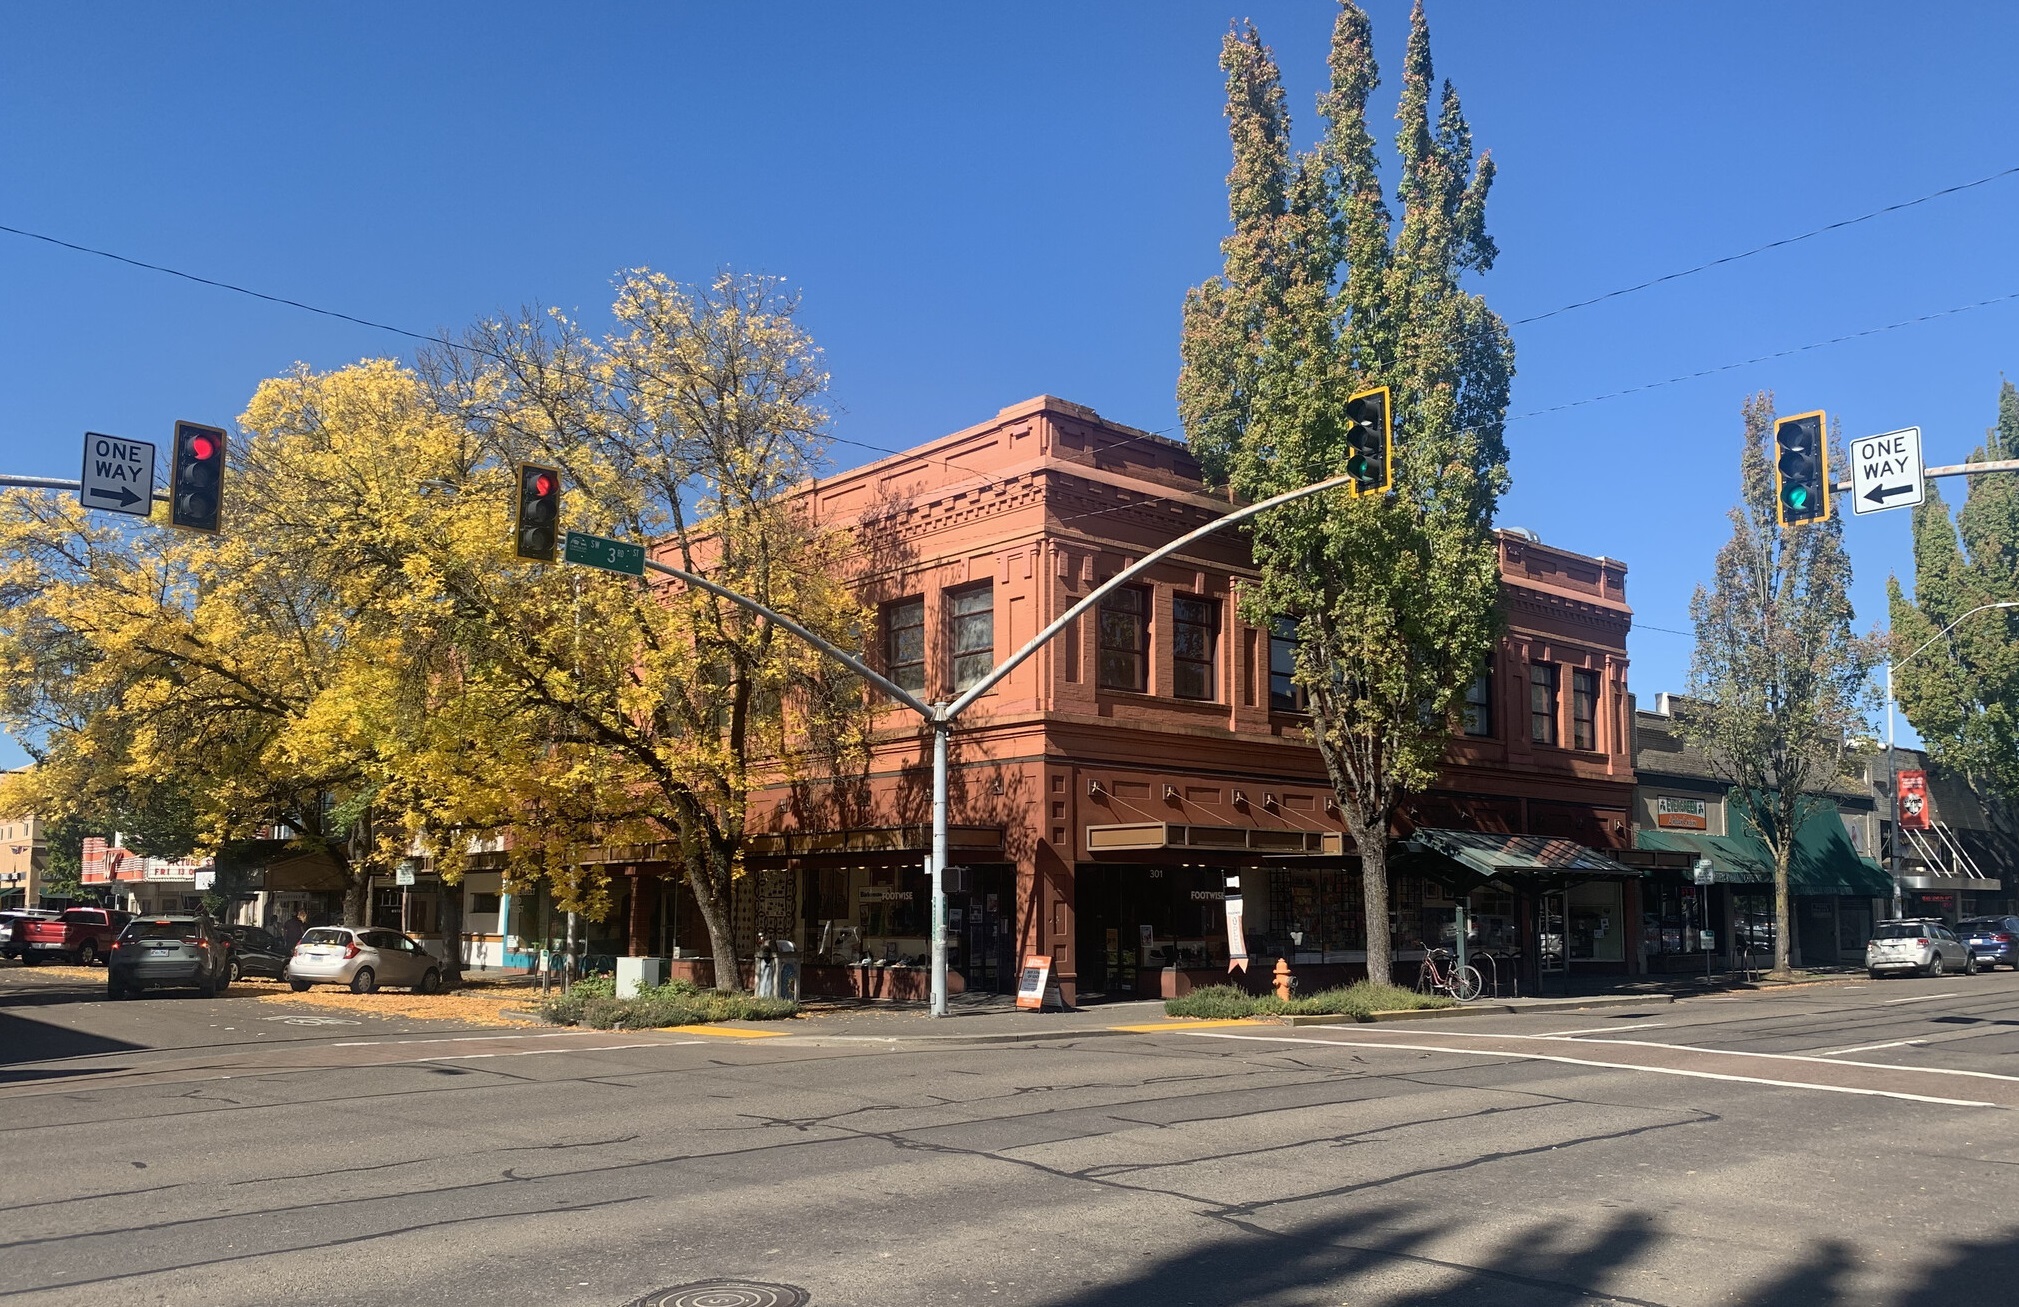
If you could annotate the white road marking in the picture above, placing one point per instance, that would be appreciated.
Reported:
(1919, 998)
(1867, 1048)
(1619, 1066)
(454, 1039)
(535, 1052)
(1698, 1048)
(1598, 1030)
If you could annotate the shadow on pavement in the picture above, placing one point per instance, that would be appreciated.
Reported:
(1386, 1256)
(24, 1039)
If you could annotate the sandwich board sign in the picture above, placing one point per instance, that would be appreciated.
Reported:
(1036, 990)
(118, 475)
(1886, 471)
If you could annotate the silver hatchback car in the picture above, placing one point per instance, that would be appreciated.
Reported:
(363, 957)
(1921, 946)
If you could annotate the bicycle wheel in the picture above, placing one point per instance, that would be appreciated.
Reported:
(1465, 984)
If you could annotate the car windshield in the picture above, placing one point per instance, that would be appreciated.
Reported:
(1900, 930)
(160, 929)
(326, 935)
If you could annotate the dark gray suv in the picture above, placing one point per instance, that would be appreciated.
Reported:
(172, 950)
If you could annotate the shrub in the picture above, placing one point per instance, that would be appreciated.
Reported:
(676, 1003)
(1358, 1000)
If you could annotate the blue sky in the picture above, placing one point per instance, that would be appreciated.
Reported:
(985, 203)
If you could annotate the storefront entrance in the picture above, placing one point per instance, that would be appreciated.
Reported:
(981, 930)
(1134, 921)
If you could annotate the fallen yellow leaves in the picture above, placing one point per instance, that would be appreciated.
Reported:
(476, 1007)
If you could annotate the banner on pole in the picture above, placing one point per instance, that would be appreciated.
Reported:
(1237, 939)
(1914, 813)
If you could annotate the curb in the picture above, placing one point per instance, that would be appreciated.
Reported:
(1473, 1010)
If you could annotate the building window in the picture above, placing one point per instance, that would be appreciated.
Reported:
(1125, 641)
(1285, 695)
(483, 905)
(973, 617)
(904, 643)
(1195, 639)
(1583, 709)
(1479, 702)
(1542, 683)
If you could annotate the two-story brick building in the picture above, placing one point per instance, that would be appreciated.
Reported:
(1103, 793)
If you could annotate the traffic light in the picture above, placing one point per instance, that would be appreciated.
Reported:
(196, 478)
(1370, 438)
(539, 509)
(1801, 470)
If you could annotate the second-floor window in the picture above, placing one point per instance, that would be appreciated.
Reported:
(1125, 640)
(1542, 683)
(972, 614)
(904, 642)
(1583, 709)
(1478, 715)
(1285, 695)
(1195, 635)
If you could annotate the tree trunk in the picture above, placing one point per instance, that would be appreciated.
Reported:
(452, 934)
(357, 898)
(711, 885)
(1781, 857)
(1371, 839)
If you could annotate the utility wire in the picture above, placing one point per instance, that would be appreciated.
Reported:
(1770, 245)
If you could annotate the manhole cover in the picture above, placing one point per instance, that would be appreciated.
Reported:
(726, 1293)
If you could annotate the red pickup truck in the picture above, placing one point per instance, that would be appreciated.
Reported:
(80, 935)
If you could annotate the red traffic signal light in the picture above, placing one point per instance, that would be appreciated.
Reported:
(196, 478)
(538, 512)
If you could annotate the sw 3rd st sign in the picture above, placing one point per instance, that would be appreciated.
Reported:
(1886, 471)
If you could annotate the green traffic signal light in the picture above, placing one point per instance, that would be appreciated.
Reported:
(1370, 437)
(1801, 470)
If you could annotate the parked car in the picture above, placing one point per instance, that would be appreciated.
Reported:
(174, 949)
(1921, 945)
(254, 952)
(364, 958)
(11, 943)
(80, 935)
(1992, 940)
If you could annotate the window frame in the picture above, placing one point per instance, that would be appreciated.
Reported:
(957, 624)
(1283, 631)
(1584, 689)
(1551, 685)
(1139, 654)
(893, 665)
(1482, 706)
(1209, 661)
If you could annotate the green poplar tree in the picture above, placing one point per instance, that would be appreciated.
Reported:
(1962, 695)
(1778, 682)
(1323, 293)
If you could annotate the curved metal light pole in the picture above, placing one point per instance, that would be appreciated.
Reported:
(1892, 763)
(942, 717)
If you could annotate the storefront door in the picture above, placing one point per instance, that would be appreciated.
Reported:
(1550, 947)
(981, 928)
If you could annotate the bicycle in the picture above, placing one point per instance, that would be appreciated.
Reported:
(1462, 983)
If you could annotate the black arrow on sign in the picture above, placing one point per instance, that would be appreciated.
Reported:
(126, 498)
(1880, 494)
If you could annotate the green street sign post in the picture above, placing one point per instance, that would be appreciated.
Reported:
(610, 555)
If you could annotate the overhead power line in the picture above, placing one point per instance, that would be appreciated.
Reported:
(1770, 245)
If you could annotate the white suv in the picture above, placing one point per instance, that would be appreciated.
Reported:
(1922, 946)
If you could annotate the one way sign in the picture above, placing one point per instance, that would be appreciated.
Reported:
(118, 475)
(1886, 471)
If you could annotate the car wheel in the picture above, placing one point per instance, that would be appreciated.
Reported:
(232, 973)
(114, 990)
(298, 986)
(431, 983)
(1876, 974)
(87, 954)
(1970, 967)
(1935, 966)
(364, 982)
(28, 959)
(207, 987)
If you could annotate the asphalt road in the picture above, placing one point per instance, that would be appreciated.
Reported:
(1844, 1144)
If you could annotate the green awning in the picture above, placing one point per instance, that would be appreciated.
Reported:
(1823, 863)
(1492, 855)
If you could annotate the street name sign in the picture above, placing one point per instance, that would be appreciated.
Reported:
(118, 475)
(600, 551)
(1886, 471)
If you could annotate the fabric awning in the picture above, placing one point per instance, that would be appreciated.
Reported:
(1492, 855)
(1823, 862)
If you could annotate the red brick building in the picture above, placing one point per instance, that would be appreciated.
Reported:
(1104, 792)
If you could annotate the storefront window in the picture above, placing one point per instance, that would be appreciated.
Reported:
(1597, 929)
(1753, 924)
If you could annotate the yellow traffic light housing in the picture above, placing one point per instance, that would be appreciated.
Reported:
(1370, 440)
(1801, 470)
